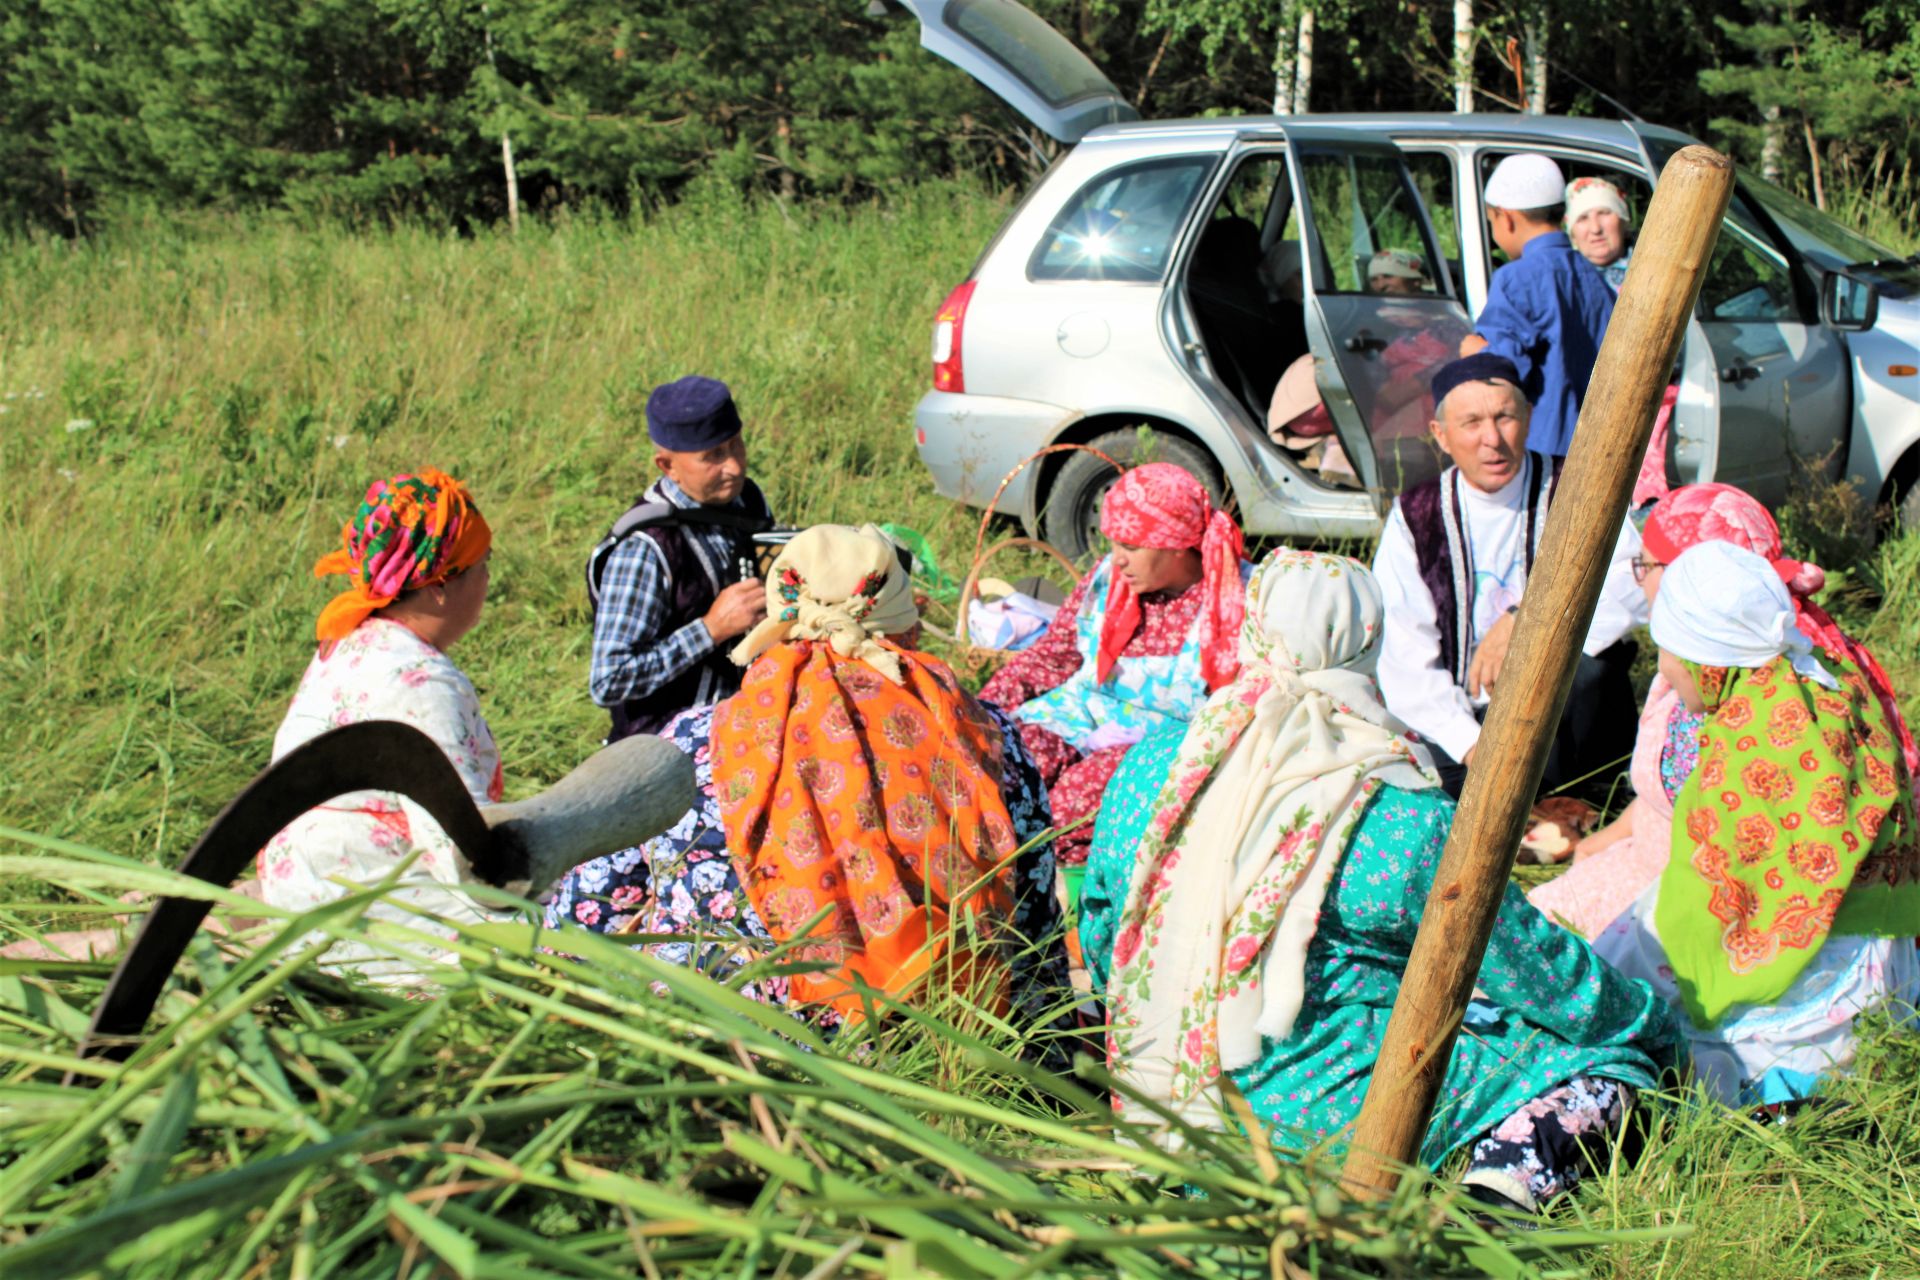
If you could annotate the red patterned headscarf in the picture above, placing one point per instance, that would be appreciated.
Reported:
(1697, 513)
(411, 531)
(1161, 505)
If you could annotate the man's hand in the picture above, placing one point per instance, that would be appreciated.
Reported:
(1484, 670)
(736, 610)
(1472, 345)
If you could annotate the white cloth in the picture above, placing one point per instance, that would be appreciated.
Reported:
(1724, 606)
(1012, 622)
(1271, 778)
(1805, 1034)
(382, 671)
(1418, 689)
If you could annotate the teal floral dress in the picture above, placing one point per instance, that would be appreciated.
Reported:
(1550, 1010)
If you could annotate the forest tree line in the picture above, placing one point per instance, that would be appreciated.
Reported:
(470, 111)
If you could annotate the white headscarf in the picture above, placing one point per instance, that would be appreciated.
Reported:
(1248, 831)
(842, 585)
(1721, 605)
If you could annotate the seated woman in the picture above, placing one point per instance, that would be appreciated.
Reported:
(1791, 900)
(1252, 898)
(852, 775)
(415, 555)
(1614, 865)
(1139, 643)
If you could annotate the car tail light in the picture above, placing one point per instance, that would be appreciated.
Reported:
(947, 323)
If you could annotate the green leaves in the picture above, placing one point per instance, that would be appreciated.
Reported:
(608, 1115)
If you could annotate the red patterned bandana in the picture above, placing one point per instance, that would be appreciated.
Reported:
(1698, 513)
(1161, 505)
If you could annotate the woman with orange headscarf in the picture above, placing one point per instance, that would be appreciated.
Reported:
(415, 558)
(855, 801)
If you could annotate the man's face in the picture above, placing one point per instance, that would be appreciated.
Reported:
(1482, 426)
(1600, 236)
(712, 477)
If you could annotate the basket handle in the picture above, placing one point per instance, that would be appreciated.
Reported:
(971, 587)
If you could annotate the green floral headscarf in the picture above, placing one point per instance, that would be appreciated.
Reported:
(1797, 823)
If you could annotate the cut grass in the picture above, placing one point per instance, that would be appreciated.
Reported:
(230, 388)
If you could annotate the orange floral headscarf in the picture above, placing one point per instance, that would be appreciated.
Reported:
(872, 796)
(411, 531)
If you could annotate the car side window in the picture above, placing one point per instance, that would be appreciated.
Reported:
(1368, 223)
(1748, 278)
(1611, 243)
(1433, 178)
(1121, 225)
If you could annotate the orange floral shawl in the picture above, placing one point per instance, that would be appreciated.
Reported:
(876, 803)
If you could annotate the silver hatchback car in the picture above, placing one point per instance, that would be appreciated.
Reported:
(1167, 274)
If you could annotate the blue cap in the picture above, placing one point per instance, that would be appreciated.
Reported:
(1482, 366)
(692, 414)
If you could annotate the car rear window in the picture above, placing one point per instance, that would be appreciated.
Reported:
(1121, 225)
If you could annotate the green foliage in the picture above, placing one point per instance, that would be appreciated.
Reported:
(1839, 80)
(376, 109)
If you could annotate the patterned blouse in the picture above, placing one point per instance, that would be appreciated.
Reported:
(381, 671)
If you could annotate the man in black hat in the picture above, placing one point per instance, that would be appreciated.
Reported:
(1453, 562)
(673, 583)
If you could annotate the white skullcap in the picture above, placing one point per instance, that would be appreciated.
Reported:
(1526, 181)
(1724, 606)
(1584, 194)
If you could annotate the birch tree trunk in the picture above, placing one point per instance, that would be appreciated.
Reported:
(511, 174)
(1773, 147)
(1303, 65)
(1463, 55)
(1283, 67)
(513, 181)
(1536, 34)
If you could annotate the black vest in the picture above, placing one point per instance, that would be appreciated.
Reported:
(1432, 511)
(695, 585)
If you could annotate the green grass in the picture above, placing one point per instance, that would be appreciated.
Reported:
(190, 410)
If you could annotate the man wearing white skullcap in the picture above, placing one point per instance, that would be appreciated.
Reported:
(1547, 307)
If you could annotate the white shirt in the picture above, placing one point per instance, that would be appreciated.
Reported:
(1415, 686)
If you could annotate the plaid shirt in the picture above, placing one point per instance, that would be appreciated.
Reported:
(631, 655)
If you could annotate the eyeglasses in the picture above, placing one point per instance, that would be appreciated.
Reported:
(1643, 566)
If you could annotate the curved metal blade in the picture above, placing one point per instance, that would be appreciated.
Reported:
(374, 755)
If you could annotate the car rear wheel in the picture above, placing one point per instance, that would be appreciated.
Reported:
(1070, 513)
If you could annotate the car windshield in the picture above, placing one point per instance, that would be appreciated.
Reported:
(1825, 240)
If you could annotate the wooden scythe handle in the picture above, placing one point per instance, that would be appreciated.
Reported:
(1616, 419)
(375, 755)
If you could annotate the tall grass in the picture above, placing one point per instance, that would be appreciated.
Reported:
(189, 411)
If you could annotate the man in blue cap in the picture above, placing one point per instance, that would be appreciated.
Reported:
(1453, 563)
(673, 582)
(1548, 307)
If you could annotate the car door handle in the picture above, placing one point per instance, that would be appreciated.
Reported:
(1739, 373)
(1365, 342)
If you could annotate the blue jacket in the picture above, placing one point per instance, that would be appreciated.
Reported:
(1546, 312)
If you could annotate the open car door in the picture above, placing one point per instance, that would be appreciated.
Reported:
(1382, 310)
(1026, 63)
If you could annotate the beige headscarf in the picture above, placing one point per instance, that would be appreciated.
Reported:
(1248, 831)
(842, 585)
